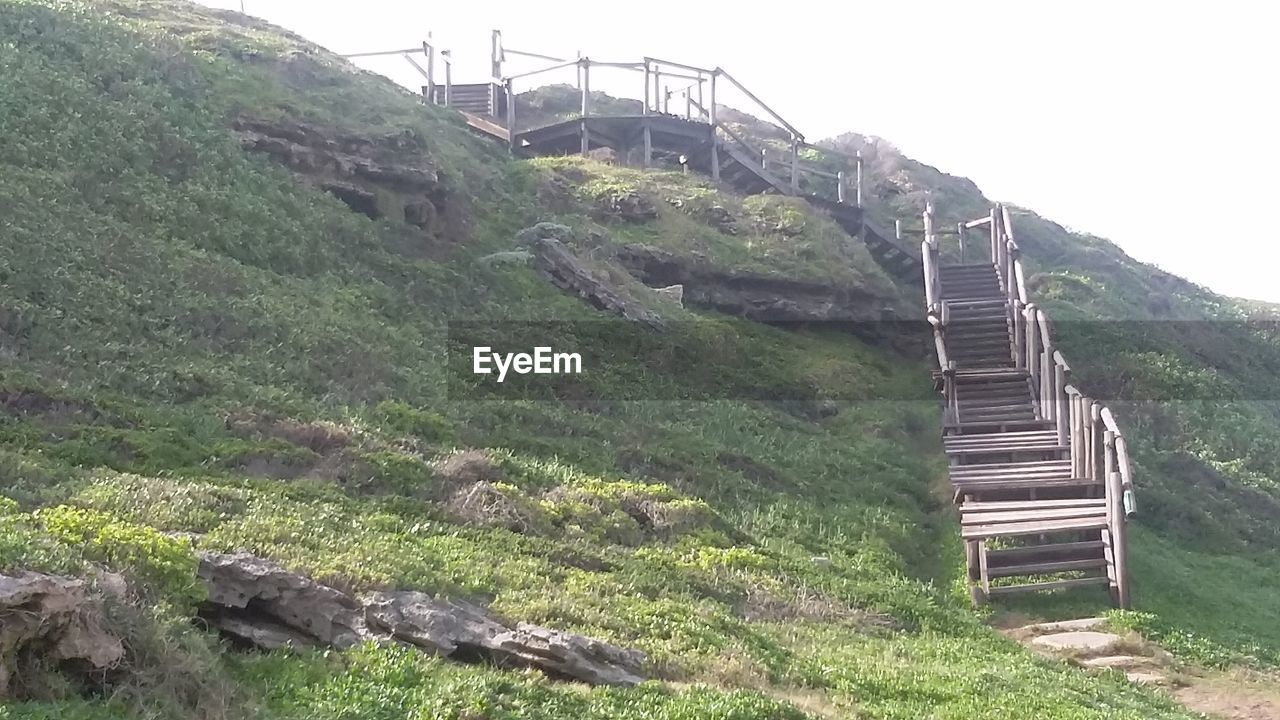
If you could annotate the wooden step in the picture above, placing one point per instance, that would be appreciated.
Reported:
(1048, 552)
(1047, 568)
(987, 426)
(973, 486)
(1034, 514)
(1020, 505)
(1046, 586)
(1033, 527)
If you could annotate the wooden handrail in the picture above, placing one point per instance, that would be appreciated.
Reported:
(790, 128)
(1089, 428)
(549, 68)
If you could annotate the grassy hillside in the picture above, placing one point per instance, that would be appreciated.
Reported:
(205, 351)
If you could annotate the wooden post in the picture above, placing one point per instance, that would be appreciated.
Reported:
(897, 230)
(657, 83)
(996, 258)
(1060, 403)
(585, 66)
(648, 144)
(688, 104)
(448, 76)
(666, 99)
(795, 163)
(647, 72)
(496, 56)
(511, 115)
(715, 141)
(858, 180)
(430, 52)
(840, 187)
(960, 235)
(704, 107)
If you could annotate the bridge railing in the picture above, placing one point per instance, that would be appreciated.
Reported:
(1085, 425)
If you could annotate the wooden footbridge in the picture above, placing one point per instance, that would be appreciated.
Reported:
(680, 127)
(1040, 471)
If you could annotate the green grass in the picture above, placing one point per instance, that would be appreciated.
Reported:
(204, 352)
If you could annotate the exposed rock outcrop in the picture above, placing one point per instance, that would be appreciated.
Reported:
(757, 296)
(50, 618)
(555, 260)
(391, 176)
(256, 602)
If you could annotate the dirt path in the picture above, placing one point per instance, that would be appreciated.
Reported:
(1236, 695)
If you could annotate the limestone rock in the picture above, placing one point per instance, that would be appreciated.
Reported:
(49, 617)
(252, 591)
(575, 656)
(367, 173)
(1065, 626)
(756, 296)
(1122, 662)
(440, 626)
(258, 603)
(1078, 641)
(672, 292)
(626, 205)
(566, 271)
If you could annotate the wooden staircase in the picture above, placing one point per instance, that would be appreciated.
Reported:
(1040, 472)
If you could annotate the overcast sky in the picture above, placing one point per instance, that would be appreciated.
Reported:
(1154, 124)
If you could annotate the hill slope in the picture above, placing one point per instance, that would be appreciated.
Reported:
(230, 267)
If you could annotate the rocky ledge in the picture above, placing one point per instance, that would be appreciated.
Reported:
(257, 603)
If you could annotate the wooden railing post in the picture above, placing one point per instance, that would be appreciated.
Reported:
(495, 54)
(858, 179)
(795, 163)
(447, 55)
(430, 51)
(715, 141)
(960, 237)
(1062, 411)
(511, 114)
(585, 64)
(840, 187)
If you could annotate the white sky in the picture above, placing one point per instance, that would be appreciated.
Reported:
(1154, 124)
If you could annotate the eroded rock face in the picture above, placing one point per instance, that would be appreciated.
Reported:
(558, 263)
(442, 627)
(391, 177)
(256, 602)
(50, 618)
(756, 296)
(574, 656)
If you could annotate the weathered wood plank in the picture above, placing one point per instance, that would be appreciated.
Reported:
(1046, 586)
(1037, 527)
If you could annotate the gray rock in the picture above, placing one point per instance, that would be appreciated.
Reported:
(672, 292)
(1147, 678)
(54, 618)
(558, 263)
(510, 258)
(1122, 662)
(529, 236)
(756, 296)
(255, 601)
(461, 630)
(575, 656)
(1065, 626)
(440, 626)
(1078, 641)
(250, 589)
